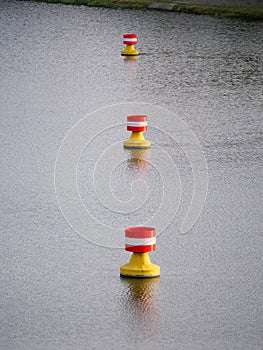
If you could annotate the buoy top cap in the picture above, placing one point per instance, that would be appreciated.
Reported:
(137, 118)
(140, 232)
(129, 36)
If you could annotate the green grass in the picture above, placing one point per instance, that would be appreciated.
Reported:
(222, 11)
(218, 11)
(128, 4)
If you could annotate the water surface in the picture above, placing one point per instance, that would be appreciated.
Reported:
(58, 290)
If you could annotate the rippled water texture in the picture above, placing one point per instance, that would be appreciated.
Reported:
(58, 64)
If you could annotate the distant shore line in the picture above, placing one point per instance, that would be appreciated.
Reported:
(255, 14)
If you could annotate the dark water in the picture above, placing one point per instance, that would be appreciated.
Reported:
(59, 290)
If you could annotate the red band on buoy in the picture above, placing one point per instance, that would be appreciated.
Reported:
(129, 36)
(140, 232)
(130, 39)
(130, 42)
(137, 123)
(140, 239)
(140, 249)
(137, 128)
(137, 118)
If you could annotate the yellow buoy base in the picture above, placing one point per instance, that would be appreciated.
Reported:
(140, 266)
(130, 51)
(137, 141)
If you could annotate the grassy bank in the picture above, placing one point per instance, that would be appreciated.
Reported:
(218, 11)
(222, 11)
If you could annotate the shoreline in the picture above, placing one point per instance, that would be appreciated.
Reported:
(246, 13)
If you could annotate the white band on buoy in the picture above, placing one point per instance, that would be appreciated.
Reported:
(140, 241)
(137, 123)
(130, 39)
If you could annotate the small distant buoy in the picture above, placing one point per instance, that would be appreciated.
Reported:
(130, 40)
(137, 124)
(140, 241)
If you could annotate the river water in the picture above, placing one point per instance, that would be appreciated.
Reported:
(199, 79)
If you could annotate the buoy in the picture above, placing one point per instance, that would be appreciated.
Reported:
(137, 124)
(130, 40)
(140, 240)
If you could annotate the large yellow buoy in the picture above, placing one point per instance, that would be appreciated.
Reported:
(130, 40)
(140, 241)
(137, 124)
